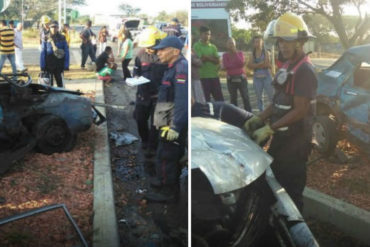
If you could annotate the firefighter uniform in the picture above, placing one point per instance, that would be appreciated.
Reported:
(172, 111)
(290, 124)
(149, 66)
(291, 145)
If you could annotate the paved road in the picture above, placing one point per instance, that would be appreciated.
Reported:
(31, 56)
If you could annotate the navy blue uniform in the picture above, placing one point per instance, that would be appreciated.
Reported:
(291, 145)
(172, 110)
(149, 66)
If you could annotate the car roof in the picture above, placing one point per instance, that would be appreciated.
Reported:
(362, 52)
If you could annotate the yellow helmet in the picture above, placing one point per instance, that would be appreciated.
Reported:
(45, 19)
(290, 26)
(150, 36)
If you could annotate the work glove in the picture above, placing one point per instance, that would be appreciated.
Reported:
(262, 134)
(169, 134)
(252, 124)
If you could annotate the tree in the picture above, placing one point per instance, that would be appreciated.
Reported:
(331, 10)
(34, 9)
(242, 38)
(129, 10)
(182, 16)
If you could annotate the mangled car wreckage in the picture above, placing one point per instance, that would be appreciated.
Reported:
(343, 101)
(34, 116)
(235, 196)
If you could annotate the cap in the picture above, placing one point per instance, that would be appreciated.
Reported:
(171, 41)
(53, 24)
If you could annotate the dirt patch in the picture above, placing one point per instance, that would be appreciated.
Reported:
(349, 181)
(40, 180)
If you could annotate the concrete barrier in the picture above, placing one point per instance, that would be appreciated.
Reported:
(105, 221)
(348, 218)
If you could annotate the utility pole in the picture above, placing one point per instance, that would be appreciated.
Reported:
(60, 12)
(65, 11)
(22, 12)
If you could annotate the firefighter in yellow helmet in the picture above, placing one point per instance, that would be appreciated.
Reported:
(147, 64)
(289, 118)
(45, 29)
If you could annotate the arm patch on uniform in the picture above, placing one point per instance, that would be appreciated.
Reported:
(181, 78)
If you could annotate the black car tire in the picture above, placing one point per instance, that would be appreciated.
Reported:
(52, 134)
(325, 135)
(251, 216)
(244, 227)
(71, 144)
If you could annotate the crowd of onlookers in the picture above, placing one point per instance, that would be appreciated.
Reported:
(206, 65)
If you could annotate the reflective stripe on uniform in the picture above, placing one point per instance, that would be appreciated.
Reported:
(283, 107)
(283, 128)
(211, 110)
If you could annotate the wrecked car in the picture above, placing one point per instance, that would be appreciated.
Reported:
(35, 116)
(236, 199)
(343, 101)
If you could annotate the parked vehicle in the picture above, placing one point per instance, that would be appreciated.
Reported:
(214, 15)
(36, 116)
(236, 199)
(133, 24)
(343, 101)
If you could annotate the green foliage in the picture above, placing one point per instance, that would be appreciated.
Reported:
(34, 9)
(182, 15)
(242, 38)
(350, 31)
(129, 10)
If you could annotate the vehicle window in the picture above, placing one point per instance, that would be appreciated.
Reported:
(361, 77)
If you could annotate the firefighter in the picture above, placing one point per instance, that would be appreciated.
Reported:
(147, 64)
(289, 118)
(171, 117)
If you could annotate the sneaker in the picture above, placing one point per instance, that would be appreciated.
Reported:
(83, 67)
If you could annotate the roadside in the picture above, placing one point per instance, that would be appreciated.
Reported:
(330, 177)
(140, 223)
(40, 180)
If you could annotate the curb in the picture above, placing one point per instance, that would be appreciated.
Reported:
(105, 222)
(348, 218)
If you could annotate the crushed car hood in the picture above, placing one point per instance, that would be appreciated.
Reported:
(226, 155)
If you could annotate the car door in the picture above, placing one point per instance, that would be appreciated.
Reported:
(355, 102)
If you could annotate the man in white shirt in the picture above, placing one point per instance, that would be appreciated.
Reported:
(19, 48)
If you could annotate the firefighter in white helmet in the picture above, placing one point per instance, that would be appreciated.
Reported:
(289, 118)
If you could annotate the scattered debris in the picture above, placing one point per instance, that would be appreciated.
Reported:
(141, 191)
(122, 138)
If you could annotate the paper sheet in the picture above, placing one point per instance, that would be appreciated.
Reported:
(137, 81)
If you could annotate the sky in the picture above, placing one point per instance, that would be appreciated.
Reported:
(151, 8)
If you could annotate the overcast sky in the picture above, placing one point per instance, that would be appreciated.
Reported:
(151, 8)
